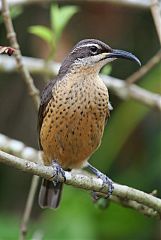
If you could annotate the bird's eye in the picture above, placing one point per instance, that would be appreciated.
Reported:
(93, 50)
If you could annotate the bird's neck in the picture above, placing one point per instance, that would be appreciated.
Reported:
(83, 79)
(80, 68)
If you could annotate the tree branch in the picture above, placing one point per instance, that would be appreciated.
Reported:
(126, 91)
(19, 149)
(33, 91)
(145, 69)
(28, 206)
(128, 3)
(149, 212)
(149, 204)
(156, 13)
(34, 65)
(119, 87)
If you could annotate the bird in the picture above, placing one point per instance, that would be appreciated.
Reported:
(73, 113)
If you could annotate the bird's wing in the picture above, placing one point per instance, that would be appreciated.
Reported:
(45, 98)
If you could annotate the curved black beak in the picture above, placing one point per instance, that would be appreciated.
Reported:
(123, 54)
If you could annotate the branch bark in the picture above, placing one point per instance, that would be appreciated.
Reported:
(145, 69)
(126, 91)
(149, 204)
(19, 149)
(11, 35)
(156, 13)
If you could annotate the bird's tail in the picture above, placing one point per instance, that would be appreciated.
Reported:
(50, 194)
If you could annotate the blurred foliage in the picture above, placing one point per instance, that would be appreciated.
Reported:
(8, 226)
(59, 18)
(79, 219)
(107, 69)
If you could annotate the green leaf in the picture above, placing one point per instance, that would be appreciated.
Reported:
(42, 32)
(60, 17)
(54, 16)
(106, 70)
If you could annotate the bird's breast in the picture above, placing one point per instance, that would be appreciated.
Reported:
(73, 126)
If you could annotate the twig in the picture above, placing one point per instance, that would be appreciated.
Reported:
(156, 13)
(119, 87)
(131, 3)
(34, 65)
(126, 91)
(19, 149)
(127, 3)
(28, 207)
(145, 69)
(83, 181)
(149, 212)
(32, 90)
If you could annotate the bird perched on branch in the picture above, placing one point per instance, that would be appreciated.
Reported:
(73, 112)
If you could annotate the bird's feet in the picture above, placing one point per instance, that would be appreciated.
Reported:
(58, 172)
(106, 181)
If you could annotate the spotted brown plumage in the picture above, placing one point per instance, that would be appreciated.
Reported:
(73, 111)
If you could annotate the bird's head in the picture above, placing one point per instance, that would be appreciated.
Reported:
(93, 53)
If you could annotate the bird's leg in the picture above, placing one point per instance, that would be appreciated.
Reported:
(59, 171)
(105, 180)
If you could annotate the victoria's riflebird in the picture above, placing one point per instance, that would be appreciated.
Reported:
(73, 112)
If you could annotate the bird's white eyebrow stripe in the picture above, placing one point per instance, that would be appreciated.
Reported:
(86, 45)
(90, 45)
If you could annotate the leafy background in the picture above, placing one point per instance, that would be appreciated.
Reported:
(130, 152)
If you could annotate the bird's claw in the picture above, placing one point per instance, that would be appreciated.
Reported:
(59, 172)
(106, 181)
